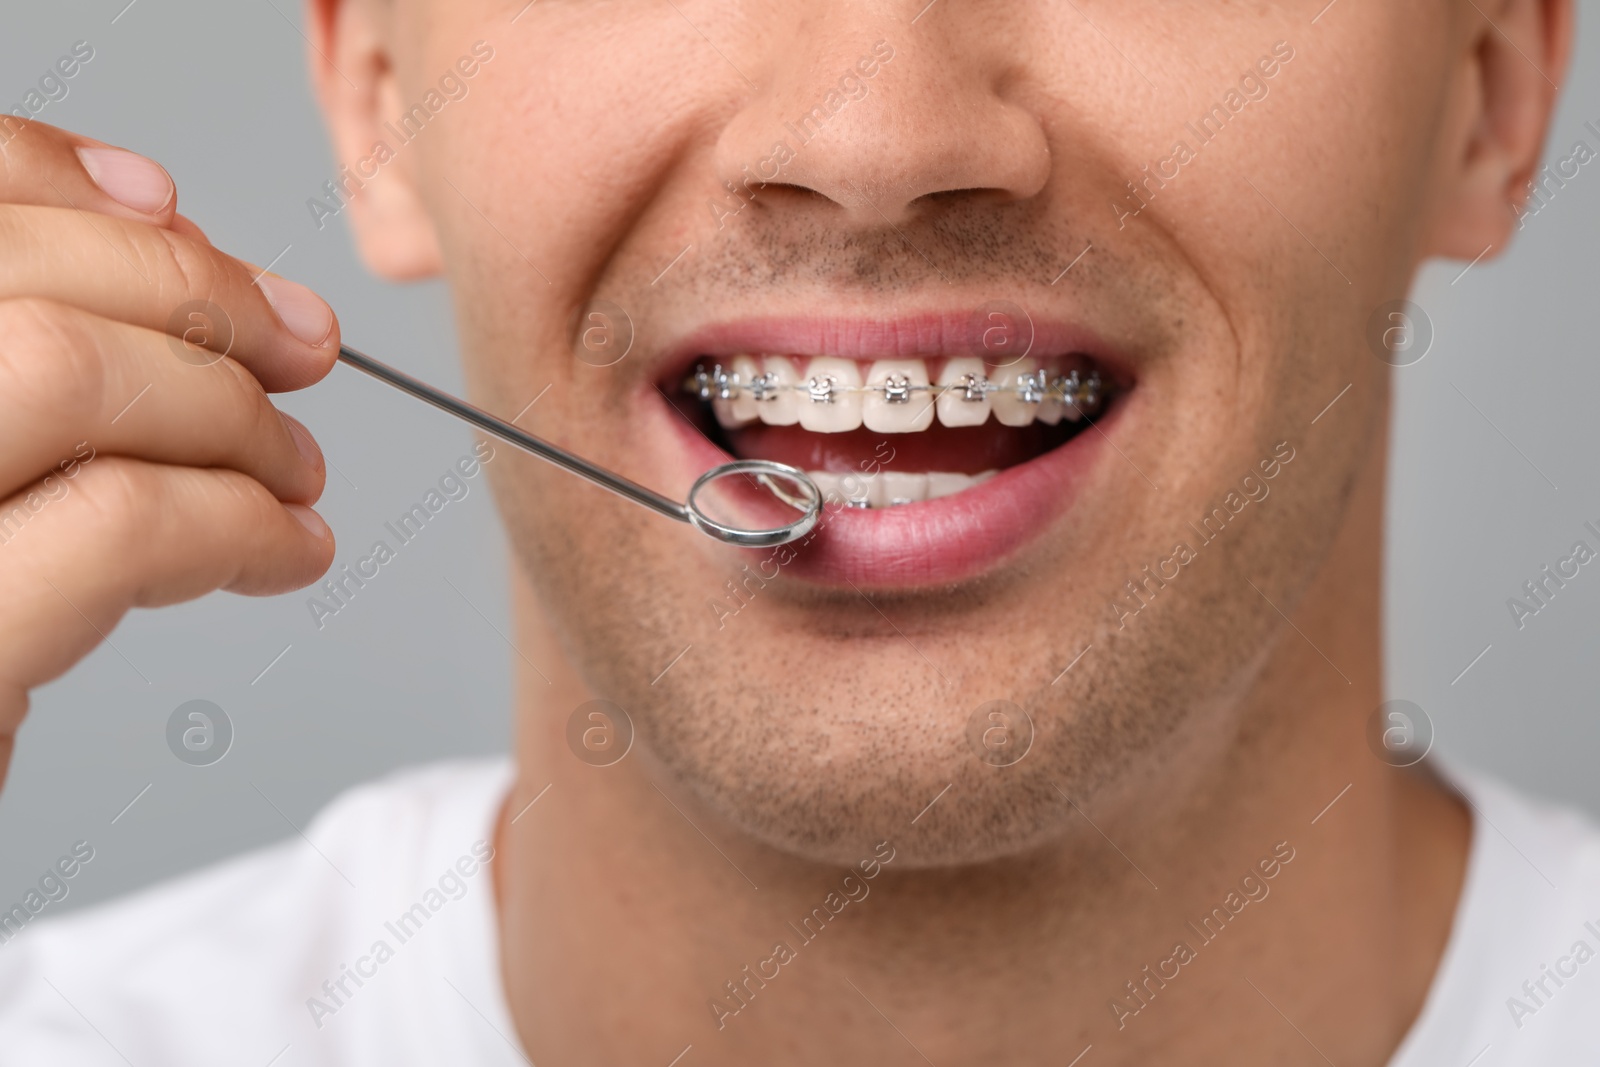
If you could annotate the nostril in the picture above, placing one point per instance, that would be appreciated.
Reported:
(945, 196)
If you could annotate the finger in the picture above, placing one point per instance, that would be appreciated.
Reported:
(126, 534)
(186, 226)
(74, 386)
(46, 166)
(131, 272)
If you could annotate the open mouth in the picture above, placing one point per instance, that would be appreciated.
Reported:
(940, 458)
(895, 432)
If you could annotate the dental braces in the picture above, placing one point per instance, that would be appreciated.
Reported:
(1082, 391)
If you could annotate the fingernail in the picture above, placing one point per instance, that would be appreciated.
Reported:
(129, 178)
(310, 520)
(305, 313)
(303, 440)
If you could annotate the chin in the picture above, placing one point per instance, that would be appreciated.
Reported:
(824, 776)
(938, 809)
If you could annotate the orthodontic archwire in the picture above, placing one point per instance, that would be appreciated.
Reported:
(1082, 391)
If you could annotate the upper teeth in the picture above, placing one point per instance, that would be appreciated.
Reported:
(894, 396)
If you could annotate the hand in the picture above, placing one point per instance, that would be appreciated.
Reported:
(141, 461)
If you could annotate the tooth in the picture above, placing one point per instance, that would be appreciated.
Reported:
(737, 410)
(953, 407)
(913, 414)
(723, 408)
(1009, 408)
(783, 408)
(1070, 383)
(827, 484)
(834, 379)
(745, 407)
(1051, 410)
(942, 484)
(1087, 387)
(898, 487)
(856, 488)
(984, 476)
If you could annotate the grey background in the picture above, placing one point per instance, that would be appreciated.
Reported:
(411, 670)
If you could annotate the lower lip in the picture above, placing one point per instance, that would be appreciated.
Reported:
(933, 542)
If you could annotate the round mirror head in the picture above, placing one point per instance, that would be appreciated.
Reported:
(755, 503)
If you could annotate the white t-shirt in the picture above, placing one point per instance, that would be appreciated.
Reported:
(376, 946)
(227, 965)
(1529, 913)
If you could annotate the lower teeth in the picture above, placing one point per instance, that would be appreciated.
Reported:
(888, 489)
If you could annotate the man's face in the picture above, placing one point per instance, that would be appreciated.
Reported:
(939, 183)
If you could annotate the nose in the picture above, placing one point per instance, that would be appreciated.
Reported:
(879, 115)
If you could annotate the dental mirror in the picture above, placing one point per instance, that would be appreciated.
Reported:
(748, 502)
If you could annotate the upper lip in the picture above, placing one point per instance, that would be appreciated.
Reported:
(924, 335)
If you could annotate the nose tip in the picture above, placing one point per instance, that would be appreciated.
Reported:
(1002, 154)
(879, 131)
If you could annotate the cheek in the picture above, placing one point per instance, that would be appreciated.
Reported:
(549, 180)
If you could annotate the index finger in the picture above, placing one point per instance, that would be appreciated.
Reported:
(144, 275)
(46, 166)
